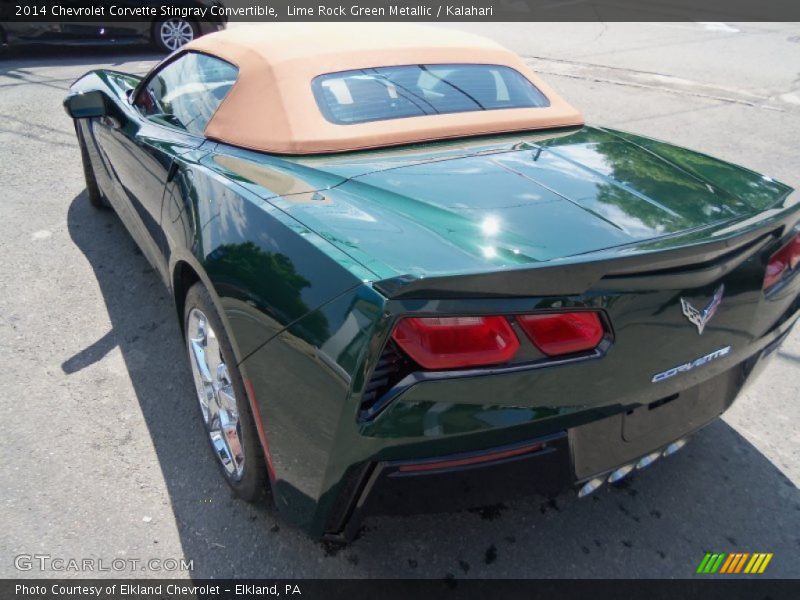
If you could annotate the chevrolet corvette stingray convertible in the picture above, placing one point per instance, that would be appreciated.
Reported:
(410, 278)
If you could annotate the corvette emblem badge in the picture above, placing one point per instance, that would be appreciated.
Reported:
(701, 317)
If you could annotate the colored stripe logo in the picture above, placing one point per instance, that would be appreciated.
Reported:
(733, 563)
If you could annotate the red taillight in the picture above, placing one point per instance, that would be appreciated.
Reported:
(784, 260)
(563, 333)
(454, 342)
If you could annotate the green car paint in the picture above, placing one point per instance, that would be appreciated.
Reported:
(312, 259)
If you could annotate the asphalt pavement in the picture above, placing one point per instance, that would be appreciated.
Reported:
(103, 452)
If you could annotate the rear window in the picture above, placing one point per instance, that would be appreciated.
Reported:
(383, 93)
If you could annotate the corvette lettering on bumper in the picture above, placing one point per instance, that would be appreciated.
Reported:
(698, 362)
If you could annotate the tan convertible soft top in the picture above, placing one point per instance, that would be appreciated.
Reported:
(272, 108)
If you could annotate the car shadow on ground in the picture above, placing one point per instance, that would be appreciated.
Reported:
(64, 55)
(718, 494)
(23, 64)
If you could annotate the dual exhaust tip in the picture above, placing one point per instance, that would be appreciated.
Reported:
(622, 472)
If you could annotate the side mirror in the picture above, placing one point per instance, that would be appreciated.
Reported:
(86, 105)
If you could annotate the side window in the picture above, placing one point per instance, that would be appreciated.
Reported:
(186, 92)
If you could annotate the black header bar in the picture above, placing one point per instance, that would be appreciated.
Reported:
(699, 588)
(110, 11)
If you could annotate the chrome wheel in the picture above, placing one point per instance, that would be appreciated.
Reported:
(215, 393)
(174, 33)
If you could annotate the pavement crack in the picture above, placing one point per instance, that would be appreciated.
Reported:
(654, 81)
(756, 102)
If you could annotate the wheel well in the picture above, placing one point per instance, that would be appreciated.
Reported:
(183, 277)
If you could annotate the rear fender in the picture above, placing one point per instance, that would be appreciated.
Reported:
(267, 270)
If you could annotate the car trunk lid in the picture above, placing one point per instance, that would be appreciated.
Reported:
(489, 206)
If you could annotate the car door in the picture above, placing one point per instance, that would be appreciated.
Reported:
(31, 32)
(88, 32)
(171, 109)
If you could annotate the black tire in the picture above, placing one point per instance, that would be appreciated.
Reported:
(163, 43)
(252, 485)
(96, 197)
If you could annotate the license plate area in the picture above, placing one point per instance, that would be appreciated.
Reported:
(604, 445)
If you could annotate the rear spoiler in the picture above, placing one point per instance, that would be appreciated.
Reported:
(645, 265)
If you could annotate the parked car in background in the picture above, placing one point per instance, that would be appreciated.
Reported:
(166, 33)
(410, 276)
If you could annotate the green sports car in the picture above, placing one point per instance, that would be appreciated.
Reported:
(410, 278)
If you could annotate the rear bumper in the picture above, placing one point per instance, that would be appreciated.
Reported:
(543, 465)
